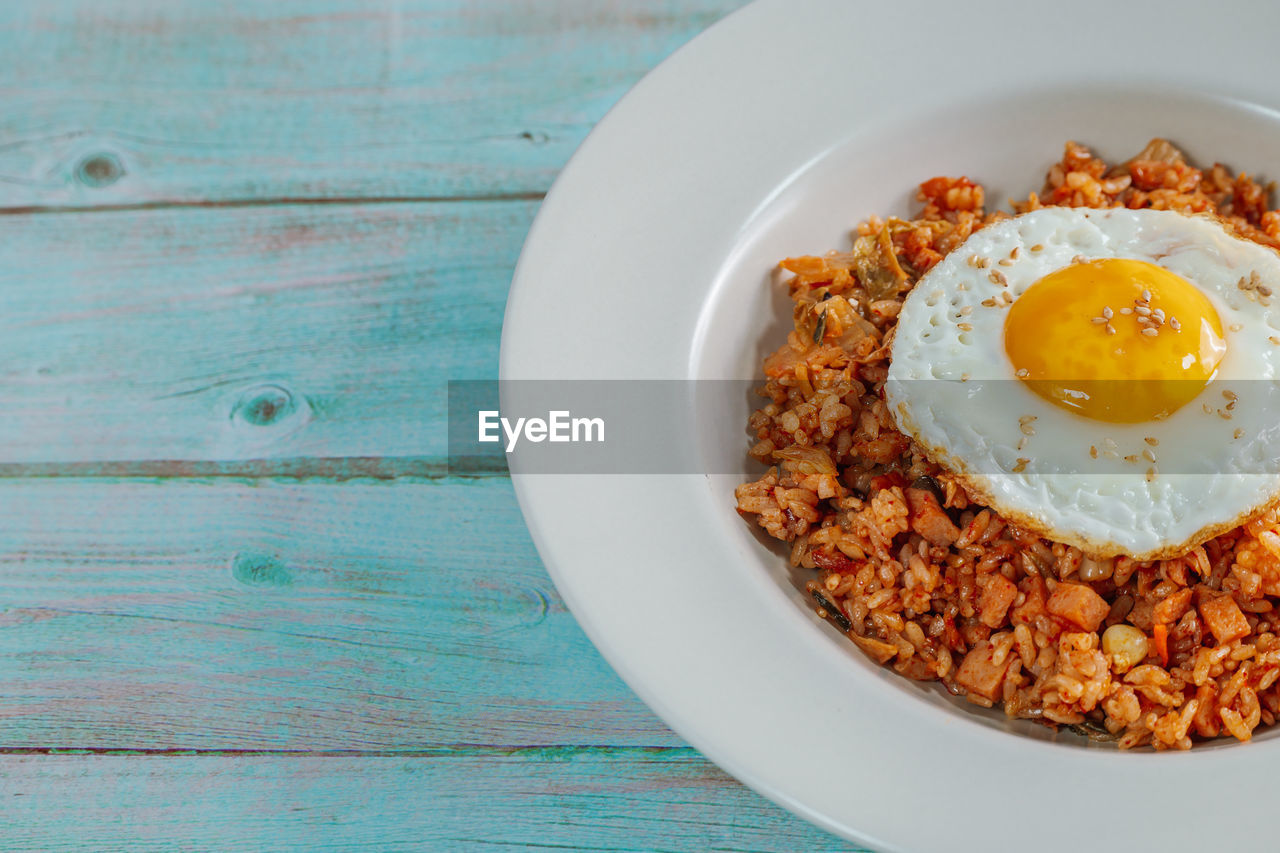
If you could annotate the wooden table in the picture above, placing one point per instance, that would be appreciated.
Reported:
(242, 604)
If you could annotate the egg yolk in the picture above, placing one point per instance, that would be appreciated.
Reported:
(1115, 340)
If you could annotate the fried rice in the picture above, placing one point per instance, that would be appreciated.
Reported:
(925, 580)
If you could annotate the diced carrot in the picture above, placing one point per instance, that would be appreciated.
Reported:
(1160, 632)
(979, 674)
(1223, 616)
(1079, 605)
(997, 594)
(929, 520)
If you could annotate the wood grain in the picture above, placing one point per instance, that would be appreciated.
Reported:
(574, 799)
(219, 615)
(199, 103)
(158, 334)
(242, 247)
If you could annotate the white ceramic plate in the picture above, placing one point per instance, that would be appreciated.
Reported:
(773, 134)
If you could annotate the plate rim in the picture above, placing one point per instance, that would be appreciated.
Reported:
(537, 494)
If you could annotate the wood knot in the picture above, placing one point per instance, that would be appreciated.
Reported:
(100, 170)
(265, 405)
(256, 569)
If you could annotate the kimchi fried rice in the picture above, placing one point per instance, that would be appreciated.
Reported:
(925, 580)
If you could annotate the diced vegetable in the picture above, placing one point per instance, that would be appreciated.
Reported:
(1223, 616)
(980, 674)
(1127, 646)
(1079, 605)
(997, 594)
(879, 651)
(1160, 633)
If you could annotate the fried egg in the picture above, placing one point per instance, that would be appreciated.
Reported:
(1105, 378)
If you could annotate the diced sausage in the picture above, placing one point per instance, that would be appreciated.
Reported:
(1171, 608)
(1223, 616)
(979, 674)
(1079, 605)
(1036, 594)
(998, 593)
(929, 520)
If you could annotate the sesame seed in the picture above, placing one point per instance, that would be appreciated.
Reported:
(1027, 429)
(1152, 440)
(1151, 473)
(1274, 340)
(997, 277)
(1037, 248)
(1146, 296)
(962, 286)
(966, 311)
(1263, 291)
(973, 260)
(1005, 262)
(982, 263)
(1238, 433)
(1158, 314)
(1242, 284)
(1110, 329)
(1006, 297)
(1254, 278)
(1150, 332)
(1126, 310)
(1078, 259)
(1131, 459)
(965, 327)
(1143, 310)
(988, 303)
(1021, 466)
(1107, 312)
(1174, 324)
(1224, 414)
(1098, 321)
(1230, 395)
(1111, 454)
(1148, 455)
(1206, 408)
(1022, 443)
(1014, 253)
(1093, 451)
(1023, 373)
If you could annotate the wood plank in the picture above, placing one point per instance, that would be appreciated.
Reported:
(224, 615)
(194, 102)
(264, 333)
(652, 800)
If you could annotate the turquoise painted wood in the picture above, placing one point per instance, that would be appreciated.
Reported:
(243, 606)
(466, 800)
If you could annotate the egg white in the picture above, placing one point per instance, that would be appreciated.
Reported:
(953, 389)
